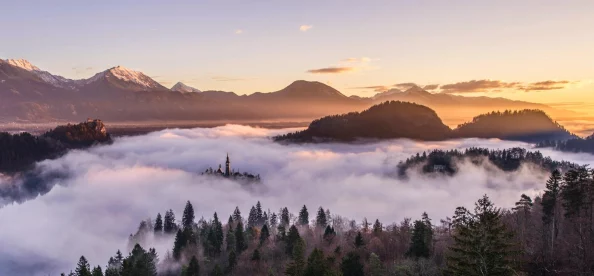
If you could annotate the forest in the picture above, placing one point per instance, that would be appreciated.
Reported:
(571, 145)
(551, 234)
(395, 119)
(18, 152)
(445, 162)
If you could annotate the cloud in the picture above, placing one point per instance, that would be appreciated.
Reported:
(305, 28)
(375, 88)
(357, 60)
(474, 86)
(238, 31)
(404, 86)
(431, 86)
(331, 70)
(79, 70)
(111, 188)
(545, 85)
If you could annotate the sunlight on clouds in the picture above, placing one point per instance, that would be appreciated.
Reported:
(305, 28)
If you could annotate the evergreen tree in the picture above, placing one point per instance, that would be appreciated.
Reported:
(377, 227)
(264, 234)
(240, 241)
(188, 217)
(216, 271)
(303, 216)
(232, 260)
(419, 248)
(359, 240)
(97, 271)
(230, 237)
(285, 220)
(481, 243)
(351, 265)
(169, 226)
(329, 234)
(550, 208)
(179, 244)
(252, 218)
(237, 215)
(140, 262)
(316, 264)
(375, 266)
(158, 224)
(273, 221)
(259, 214)
(217, 227)
(297, 266)
(193, 267)
(83, 268)
(256, 255)
(292, 238)
(321, 220)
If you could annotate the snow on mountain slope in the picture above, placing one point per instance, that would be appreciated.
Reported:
(126, 78)
(181, 87)
(57, 81)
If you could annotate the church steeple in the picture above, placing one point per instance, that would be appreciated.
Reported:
(227, 166)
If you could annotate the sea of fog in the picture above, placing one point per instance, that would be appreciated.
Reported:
(110, 189)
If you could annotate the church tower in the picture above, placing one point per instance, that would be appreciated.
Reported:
(228, 166)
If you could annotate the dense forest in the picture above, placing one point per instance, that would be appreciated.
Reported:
(445, 162)
(571, 145)
(551, 234)
(19, 152)
(525, 125)
(394, 119)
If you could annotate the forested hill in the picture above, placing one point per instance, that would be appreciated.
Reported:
(446, 162)
(572, 145)
(387, 120)
(19, 152)
(526, 125)
(549, 235)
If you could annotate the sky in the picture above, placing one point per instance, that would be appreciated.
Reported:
(535, 50)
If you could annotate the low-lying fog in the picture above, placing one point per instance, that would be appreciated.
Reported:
(112, 188)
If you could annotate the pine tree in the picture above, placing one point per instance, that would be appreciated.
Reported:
(321, 221)
(316, 264)
(285, 220)
(264, 234)
(550, 207)
(419, 247)
(351, 265)
(193, 267)
(359, 240)
(188, 217)
(230, 237)
(179, 244)
(481, 243)
(273, 221)
(232, 260)
(158, 224)
(237, 215)
(303, 216)
(292, 238)
(97, 271)
(169, 226)
(240, 241)
(297, 266)
(377, 227)
(217, 227)
(256, 255)
(83, 268)
(252, 218)
(329, 234)
(375, 266)
(259, 214)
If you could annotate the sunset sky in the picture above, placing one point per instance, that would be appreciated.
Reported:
(541, 51)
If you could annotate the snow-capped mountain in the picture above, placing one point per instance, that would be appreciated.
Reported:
(57, 81)
(387, 93)
(125, 78)
(181, 87)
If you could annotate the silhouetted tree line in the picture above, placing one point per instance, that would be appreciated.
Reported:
(395, 119)
(19, 152)
(550, 235)
(571, 145)
(447, 161)
(391, 119)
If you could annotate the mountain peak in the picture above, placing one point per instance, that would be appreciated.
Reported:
(23, 64)
(183, 88)
(139, 80)
(303, 88)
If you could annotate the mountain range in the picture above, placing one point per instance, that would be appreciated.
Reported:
(31, 94)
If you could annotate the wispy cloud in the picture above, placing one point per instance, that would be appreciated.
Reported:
(305, 28)
(357, 60)
(78, 70)
(238, 31)
(431, 86)
(331, 70)
(475, 86)
(374, 88)
(545, 85)
(404, 85)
